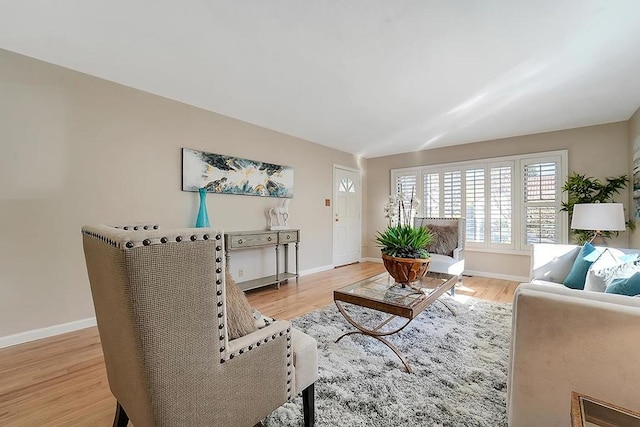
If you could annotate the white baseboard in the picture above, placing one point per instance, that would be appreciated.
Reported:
(316, 270)
(378, 260)
(521, 279)
(50, 331)
(36, 334)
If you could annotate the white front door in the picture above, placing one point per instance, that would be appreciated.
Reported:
(347, 221)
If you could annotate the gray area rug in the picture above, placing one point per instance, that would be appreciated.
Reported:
(459, 363)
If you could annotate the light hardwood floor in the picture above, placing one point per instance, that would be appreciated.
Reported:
(62, 380)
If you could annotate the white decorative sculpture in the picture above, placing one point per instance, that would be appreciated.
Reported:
(278, 217)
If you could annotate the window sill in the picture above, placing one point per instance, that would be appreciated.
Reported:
(499, 251)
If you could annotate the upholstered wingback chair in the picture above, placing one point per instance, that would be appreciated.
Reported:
(447, 249)
(159, 297)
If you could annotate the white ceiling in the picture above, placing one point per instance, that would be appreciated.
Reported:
(370, 77)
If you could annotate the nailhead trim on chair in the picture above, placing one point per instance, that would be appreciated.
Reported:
(223, 348)
(136, 227)
(219, 268)
(102, 238)
(289, 360)
(219, 296)
(131, 244)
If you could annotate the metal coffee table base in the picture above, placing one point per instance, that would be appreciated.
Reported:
(377, 334)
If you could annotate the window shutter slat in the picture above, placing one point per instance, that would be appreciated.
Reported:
(431, 197)
(475, 205)
(452, 194)
(501, 205)
(405, 185)
(540, 182)
(541, 199)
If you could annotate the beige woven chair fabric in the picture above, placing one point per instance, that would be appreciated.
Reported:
(162, 329)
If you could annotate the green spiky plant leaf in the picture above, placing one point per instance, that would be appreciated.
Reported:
(405, 241)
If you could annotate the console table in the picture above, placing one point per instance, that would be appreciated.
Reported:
(237, 240)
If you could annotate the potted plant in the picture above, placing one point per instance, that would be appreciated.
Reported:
(403, 247)
(584, 189)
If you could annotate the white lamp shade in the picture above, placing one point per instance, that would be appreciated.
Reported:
(598, 216)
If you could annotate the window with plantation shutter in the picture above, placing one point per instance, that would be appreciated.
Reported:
(501, 210)
(508, 202)
(452, 194)
(541, 192)
(406, 184)
(431, 194)
(475, 205)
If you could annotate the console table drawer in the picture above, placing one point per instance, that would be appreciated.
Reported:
(287, 236)
(249, 240)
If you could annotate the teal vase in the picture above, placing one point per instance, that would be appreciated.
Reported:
(203, 217)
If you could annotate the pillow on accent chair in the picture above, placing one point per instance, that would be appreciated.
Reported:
(629, 286)
(578, 274)
(240, 321)
(445, 239)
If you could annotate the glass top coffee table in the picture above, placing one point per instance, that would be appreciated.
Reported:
(382, 294)
(587, 411)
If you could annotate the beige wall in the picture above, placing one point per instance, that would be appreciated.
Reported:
(80, 150)
(597, 151)
(634, 143)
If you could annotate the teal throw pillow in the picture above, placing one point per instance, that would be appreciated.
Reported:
(578, 274)
(629, 286)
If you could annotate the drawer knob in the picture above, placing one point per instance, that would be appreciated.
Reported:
(239, 241)
(288, 236)
(269, 238)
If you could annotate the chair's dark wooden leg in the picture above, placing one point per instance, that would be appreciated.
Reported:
(309, 406)
(121, 419)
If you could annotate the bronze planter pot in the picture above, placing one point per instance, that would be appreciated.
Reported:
(406, 270)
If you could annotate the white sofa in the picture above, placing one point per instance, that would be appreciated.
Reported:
(550, 263)
(566, 340)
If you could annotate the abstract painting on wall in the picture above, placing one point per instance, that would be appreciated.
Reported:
(233, 175)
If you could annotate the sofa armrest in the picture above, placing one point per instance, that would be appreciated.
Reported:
(551, 262)
(458, 254)
(566, 340)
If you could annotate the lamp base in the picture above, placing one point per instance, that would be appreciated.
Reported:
(598, 239)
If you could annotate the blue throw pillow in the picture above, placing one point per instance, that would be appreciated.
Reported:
(629, 286)
(578, 274)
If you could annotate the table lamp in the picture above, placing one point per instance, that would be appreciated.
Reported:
(598, 217)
